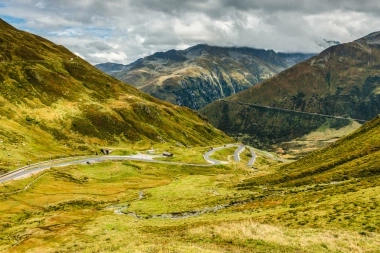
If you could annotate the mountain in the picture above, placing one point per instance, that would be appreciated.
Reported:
(343, 80)
(55, 103)
(201, 74)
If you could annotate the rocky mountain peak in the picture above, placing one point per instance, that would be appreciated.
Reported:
(196, 76)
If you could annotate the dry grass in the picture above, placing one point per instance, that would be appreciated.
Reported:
(309, 240)
(321, 138)
(72, 210)
(116, 207)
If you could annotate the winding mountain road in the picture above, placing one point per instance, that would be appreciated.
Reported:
(38, 167)
(207, 155)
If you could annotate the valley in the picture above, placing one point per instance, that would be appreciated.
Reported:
(274, 207)
(282, 155)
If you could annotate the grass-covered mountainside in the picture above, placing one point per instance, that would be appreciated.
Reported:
(351, 158)
(343, 80)
(326, 202)
(54, 103)
(201, 74)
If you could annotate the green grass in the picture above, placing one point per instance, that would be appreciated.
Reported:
(73, 209)
(223, 154)
(83, 193)
(348, 158)
(229, 208)
(181, 153)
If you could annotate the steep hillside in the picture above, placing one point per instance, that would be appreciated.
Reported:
(350, 158)
(334, 187)
(266, 127)
(201, 74)
(343, 80)
(54, 104)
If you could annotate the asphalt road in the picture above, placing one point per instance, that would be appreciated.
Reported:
(32, 169)
(238, 152)
(253, 157)
(35, 168)
(207, 155)
(287, 110)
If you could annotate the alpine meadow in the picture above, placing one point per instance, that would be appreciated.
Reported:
(189, 126)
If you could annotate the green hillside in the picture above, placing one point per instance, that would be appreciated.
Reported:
(355, 157)
(56, 104)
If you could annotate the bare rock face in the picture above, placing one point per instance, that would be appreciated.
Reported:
(202, 74)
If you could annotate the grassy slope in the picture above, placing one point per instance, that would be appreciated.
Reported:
(336, 186)
(56, 104)
(263, 127)
(355, 156)
(306, 206)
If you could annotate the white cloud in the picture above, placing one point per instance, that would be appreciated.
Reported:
(120, 57)
(124, 30)
(40, 5)
(67, 33)
(81, 56)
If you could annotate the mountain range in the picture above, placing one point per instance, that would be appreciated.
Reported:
(55, 103)
(343, 81)
(201, 74)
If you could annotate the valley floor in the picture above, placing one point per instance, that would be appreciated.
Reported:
(133, 206)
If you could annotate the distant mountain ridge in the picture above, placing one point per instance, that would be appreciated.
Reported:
(201, 74)
(343, 80)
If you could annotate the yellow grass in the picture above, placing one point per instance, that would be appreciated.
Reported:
(310, 240)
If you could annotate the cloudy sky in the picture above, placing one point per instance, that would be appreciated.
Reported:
(125, 30)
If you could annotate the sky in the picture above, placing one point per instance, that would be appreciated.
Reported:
(122, 31)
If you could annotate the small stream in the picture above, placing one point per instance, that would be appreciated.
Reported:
(122, 210)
